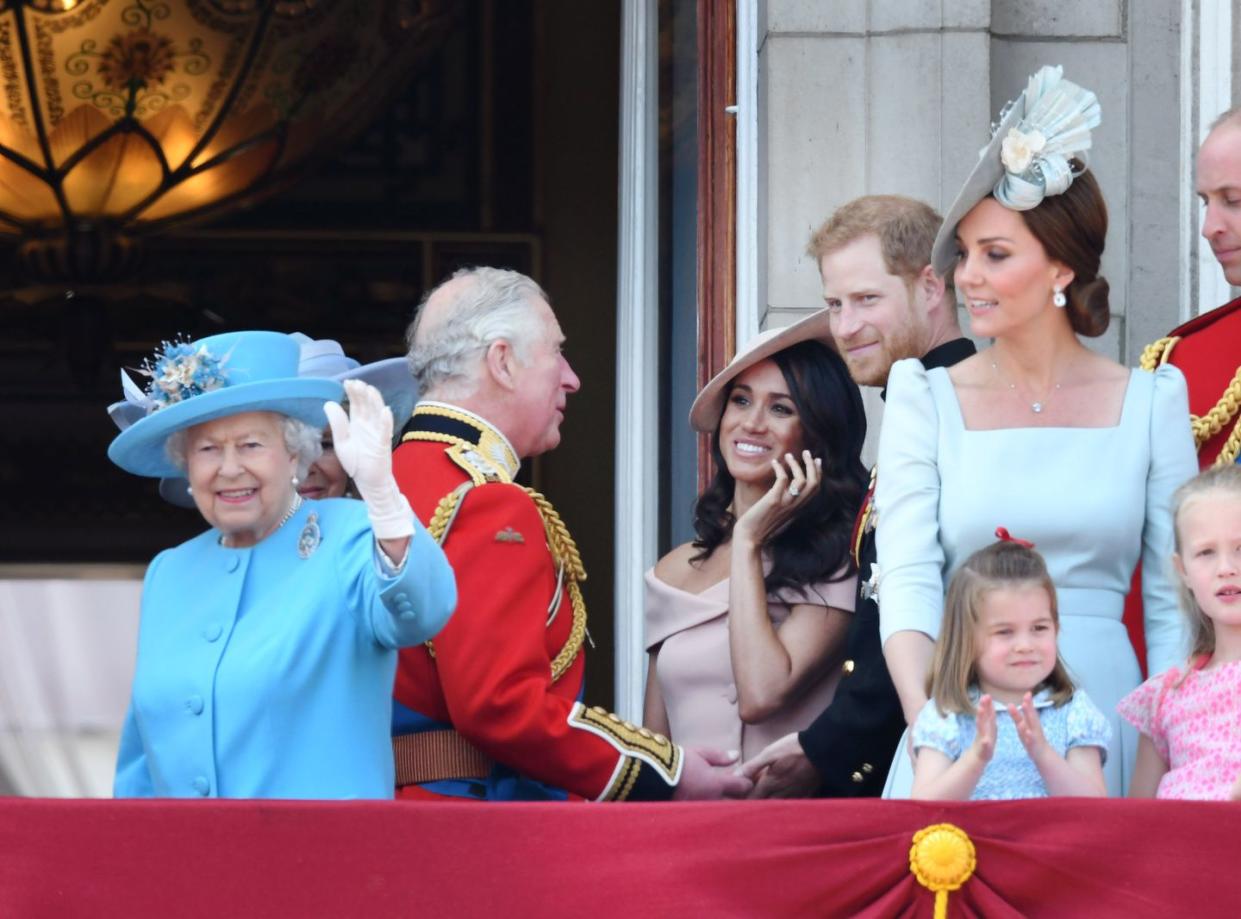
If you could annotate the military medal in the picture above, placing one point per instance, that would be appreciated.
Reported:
(870, 587)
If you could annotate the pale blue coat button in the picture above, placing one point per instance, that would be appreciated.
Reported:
(201, 785)
(212, 632)
(195, 704)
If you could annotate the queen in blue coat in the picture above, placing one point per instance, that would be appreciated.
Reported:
(267, 645)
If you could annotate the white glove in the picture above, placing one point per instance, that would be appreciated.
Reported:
(363, 444)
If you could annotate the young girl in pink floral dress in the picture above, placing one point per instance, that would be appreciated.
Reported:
(1190, 720)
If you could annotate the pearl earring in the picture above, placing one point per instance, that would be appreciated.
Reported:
(189, 489)
(296, 481)
(1058, 298)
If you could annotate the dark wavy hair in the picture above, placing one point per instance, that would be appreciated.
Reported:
(814, 546)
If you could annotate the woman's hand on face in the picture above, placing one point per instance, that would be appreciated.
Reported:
(795, 484)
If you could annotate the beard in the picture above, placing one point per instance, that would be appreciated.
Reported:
(872, 368)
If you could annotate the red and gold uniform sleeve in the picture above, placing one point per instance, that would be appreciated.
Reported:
(493, 663)
(1207, 350)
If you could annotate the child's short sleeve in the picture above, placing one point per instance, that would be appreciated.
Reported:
(1141, 708)
(939, 732)
(1087, 726)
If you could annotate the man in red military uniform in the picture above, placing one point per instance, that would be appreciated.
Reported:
(1207, 349)
(491, 708)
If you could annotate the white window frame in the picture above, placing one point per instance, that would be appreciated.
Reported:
(637, 347)
(1206, 91)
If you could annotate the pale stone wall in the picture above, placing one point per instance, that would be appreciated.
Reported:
(872, 96)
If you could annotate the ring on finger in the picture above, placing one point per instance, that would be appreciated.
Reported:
(794, 490)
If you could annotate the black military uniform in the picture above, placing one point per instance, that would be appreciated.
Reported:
(852, 743)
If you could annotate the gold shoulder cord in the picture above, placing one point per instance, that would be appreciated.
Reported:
(1220, 415)
(441, 522)
(564, 553)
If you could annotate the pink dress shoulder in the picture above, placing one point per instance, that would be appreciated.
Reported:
(1195, 725)
(695, 667)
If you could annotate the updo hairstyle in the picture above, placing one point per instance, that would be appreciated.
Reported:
(1072, 226)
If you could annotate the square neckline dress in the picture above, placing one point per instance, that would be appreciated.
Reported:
(1093, 500)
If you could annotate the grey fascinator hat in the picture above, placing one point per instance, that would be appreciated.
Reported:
(1030, 154)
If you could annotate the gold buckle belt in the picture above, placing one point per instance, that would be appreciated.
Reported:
(431, 756)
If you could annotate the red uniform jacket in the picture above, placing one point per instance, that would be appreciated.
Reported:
(1207, 350)
(507, 670)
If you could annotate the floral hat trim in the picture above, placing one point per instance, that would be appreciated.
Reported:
(1037, 152)
(1030, 154)
(178, 371)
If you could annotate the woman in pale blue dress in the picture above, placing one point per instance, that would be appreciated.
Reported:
(1038, 433)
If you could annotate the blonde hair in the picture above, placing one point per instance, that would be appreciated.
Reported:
(1003, 564)
(1217, 478)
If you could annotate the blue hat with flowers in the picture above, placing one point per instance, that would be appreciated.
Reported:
(193, 382)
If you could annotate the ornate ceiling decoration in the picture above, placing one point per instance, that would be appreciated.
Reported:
(121, 117)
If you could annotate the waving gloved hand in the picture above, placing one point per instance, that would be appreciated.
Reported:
(363, 444)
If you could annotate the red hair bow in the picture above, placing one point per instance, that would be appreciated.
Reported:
(1004, 536)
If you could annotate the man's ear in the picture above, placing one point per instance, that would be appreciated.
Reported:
(501, 364)
(929, 286)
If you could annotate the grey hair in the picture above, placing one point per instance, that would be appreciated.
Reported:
(496, 306)
(303, 441)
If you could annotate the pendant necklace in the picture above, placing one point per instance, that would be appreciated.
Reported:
(1037, 405)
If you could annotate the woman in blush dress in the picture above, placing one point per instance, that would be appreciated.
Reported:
(744, 625)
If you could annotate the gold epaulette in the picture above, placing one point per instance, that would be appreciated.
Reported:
(473, 444)
(1218, 417)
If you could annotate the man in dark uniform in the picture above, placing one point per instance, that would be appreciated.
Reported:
(885, 303)
(490, 709)
(1207, 349)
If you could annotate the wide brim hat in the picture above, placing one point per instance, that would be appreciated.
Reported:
(326, 358)
(213, 378)
(704, 414)
(979, 184)
(1056, 112)
(173, 490)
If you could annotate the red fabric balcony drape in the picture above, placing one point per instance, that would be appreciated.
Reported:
(1059, 857)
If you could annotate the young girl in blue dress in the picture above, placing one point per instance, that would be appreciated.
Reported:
(1004, 719)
